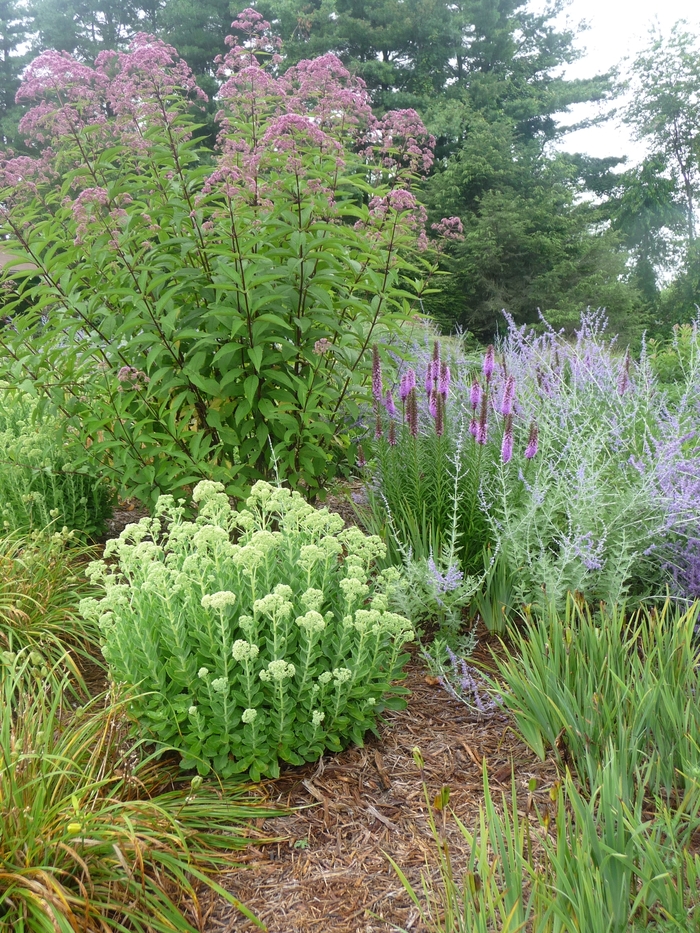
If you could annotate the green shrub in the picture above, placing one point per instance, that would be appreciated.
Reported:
(38, 486)
(251, 636)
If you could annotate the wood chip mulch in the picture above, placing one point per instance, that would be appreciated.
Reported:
(331, 873)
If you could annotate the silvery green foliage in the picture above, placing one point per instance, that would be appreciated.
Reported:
(434, 594)
(250, 637)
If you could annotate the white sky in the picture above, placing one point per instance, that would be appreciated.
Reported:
(618, 28)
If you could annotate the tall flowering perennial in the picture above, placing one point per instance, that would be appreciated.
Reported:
(249, 637)
(252, 350)
(427, 477)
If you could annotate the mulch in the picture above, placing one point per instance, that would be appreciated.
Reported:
(331, 870)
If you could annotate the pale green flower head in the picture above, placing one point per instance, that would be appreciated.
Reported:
(211, 537)
(355, 569)
(353, 590)
(96, 570)
(244, 650)
(278, 670)
(310, 555)
(380, 602)
(273, 606)
(366, 547)
(192, 711)
(243, 520)
(317, 718)
(312, 623)
(312, 599)
(396, 626)
(330, 545)
(285, 591)
(265, 541)
(249, 715)
(203, 672)
(220, 685)
(219, 600)
(260, 494)
(341, 675)
(366, 618)
(247, 624)
(248, 558)
(166, 506)
(90, 608)
(206, 489)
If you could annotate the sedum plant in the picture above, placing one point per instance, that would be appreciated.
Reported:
(39, 488)
(249, 637)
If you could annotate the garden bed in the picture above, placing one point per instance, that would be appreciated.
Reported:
(331, 872)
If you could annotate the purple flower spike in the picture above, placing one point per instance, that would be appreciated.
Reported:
(376, 375)
(361, 460)
(378, 432)
(444, 384)
(429, 378)
(475, 394)
(474, 427)
(531, 449)
(412, 412)
(389, 404)
(489, 363)
(432, 404)
(392, 434)
(439, 414)
(507, 444)
(405, 384)
(482, 428)
(508, 397)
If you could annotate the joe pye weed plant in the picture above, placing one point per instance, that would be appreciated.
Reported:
(253, 636)
(209, 313)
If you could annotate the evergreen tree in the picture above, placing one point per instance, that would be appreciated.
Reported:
(14, 30)
(86, 27)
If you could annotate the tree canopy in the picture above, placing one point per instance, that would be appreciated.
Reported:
(543, 230)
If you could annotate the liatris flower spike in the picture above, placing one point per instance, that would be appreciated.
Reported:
(429, 378)
(432, 404)
(361, 459)
(475, 394)
(508, 397)
(412, 412)
(439, 414)
(392, 434)
(389, 404)
(482, 428)
(444, 383)
(408, 382)
(378, 433)
(531, 449)
(376, 375)
(507, 444)
(489, 363)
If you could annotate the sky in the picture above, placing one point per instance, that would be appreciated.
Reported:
(618, 28)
